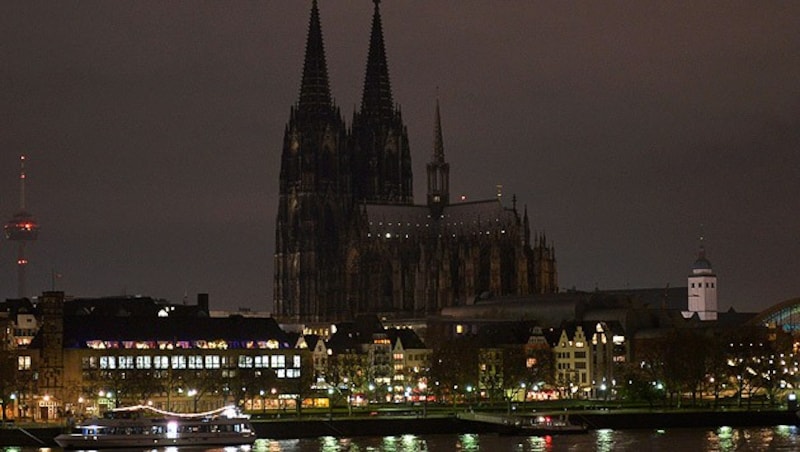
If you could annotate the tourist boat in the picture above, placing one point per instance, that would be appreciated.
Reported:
(144, 426)
(542, 425)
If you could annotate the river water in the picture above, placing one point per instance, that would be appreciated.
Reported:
(724, 439)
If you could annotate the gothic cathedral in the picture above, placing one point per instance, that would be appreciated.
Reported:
(349, 239)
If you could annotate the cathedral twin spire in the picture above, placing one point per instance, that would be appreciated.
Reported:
(330, 172)
(315, 92)
(378, 153)
(377, 96)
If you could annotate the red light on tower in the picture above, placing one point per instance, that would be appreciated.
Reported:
(22, 228)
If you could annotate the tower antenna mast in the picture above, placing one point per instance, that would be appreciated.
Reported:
(22, 228)
(22, 183)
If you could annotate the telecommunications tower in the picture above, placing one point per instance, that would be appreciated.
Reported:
(22, 228)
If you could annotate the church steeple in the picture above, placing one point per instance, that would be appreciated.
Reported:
(315, 92)
(438, 142)
(381, 155)
(376, 100)
(438, 169)
(314, 195)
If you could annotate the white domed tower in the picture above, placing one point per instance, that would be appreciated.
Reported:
(703, 287)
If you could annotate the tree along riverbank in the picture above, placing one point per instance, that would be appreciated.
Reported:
(286, 428)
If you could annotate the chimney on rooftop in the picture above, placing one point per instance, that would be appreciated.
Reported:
(202, 301)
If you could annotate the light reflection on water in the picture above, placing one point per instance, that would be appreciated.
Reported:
(723, 439)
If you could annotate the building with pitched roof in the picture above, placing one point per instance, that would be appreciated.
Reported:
(93, 354)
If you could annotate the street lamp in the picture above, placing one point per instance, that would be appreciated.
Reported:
(330, 403)
(423, 387)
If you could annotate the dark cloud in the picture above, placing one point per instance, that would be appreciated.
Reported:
(154, 131)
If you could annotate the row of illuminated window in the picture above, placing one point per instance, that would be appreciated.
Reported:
(167, 374)
(567, 355)
(24, 332)
(190, 362)
(271, 344)
(700, 285)
(570, 378)
(388, 235)
(410, 357)
(578, 365)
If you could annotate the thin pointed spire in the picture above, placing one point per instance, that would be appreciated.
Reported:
(315, 92)
(377, 96)
(438, 168)
(438, 141)
(526, 225)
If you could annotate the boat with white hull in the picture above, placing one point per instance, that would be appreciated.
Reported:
(144, 426)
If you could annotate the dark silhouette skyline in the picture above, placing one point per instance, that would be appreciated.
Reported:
(153, 134)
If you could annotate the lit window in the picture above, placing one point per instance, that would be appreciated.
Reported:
(178, 362)
(23, 363)
(108, 362)
(212, 362)
(261, 361)
(143, 362)
(161, 362)
(278, 361)
(88, 362)
(125, 362)
(195, 362)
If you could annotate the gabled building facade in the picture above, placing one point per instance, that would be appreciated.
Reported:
(586, 357)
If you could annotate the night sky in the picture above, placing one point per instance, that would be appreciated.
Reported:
(153, 132)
